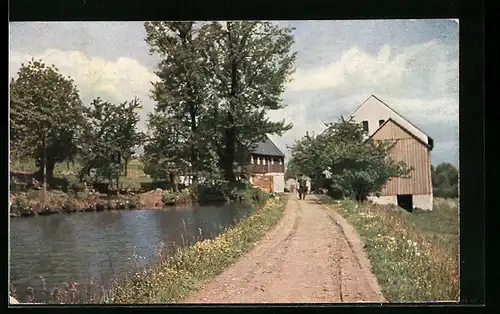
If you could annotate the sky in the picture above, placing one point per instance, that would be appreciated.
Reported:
(412, 65)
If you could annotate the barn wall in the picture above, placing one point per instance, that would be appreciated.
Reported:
(372, 110)
(423, 201)
(415, 154)
(384, 200)
(419, 201)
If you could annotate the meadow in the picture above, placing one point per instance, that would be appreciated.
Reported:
(415, 256)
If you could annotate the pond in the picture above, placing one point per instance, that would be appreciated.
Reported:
(46, 251)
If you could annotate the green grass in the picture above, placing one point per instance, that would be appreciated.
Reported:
(442, 222)
(173, 278)
(135, 171)
(413, 255)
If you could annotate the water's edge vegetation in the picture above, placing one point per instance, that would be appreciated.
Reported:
(169, 278)
(413, 255)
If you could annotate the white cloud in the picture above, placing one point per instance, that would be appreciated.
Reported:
(420, 82)
(113, 80)
(432, 63)
(355, 67)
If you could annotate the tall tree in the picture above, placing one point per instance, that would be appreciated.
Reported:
(248, 64)
(181, 96)
(445, 180)
(165, 151)
(110, 138)
(45, 116)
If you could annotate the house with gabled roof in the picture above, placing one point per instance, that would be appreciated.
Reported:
(267, 166)
(411, 145)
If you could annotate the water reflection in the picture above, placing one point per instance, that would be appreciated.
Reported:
(81, 246)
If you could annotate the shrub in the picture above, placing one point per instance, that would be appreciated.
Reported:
(17, 185)
(21, 204)
(77, 187)
(184, 196)
(336, 192)
(260, 197)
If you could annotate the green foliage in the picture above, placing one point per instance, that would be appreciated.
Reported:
(259, 197)
(358, 167)
(109, 138)
(177, 143)
(249, 64)
(445, 180)
(183, 196)
(45, 115)
(216, 86)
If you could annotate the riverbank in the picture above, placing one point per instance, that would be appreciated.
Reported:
(172, 278)
(413, 255)
(31, 203)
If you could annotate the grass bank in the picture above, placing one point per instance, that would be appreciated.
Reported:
(413, 255)
(172, 278)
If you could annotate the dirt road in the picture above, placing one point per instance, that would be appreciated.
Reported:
(311, 256)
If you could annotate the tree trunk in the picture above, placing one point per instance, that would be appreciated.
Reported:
(44, 171)
(230, 136)
(126, 167)
(173, 182)
(229, 155)
(192, 114)
(50, 169)
(118, 183)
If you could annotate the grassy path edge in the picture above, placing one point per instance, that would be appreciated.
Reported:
(355, 243)
(172, 278)
(408, 265)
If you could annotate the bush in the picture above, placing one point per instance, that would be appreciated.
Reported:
(148, 186)
(446, 192)
(210, 193)
(21, 204)
(77, 187)
(184, 196)
(17, 185)
(336, 192)
(260, 197)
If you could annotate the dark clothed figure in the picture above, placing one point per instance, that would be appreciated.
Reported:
(302, 188)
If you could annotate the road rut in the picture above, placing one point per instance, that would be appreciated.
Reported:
(311, 256)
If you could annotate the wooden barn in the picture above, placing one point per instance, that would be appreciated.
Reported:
(412, 146)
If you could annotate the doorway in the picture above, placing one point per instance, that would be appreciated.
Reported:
(406, 201)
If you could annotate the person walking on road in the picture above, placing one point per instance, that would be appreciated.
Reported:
(302, 187)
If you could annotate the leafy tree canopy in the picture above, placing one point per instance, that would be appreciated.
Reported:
(359, 167)
(45, 115)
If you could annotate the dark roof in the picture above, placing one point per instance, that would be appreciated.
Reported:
(267, 147)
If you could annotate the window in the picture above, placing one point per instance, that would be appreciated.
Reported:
(280, 162)
(251, 160)
(365, 126)
(380, 122)
(430, 141)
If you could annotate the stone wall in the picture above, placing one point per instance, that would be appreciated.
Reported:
(264, 182)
